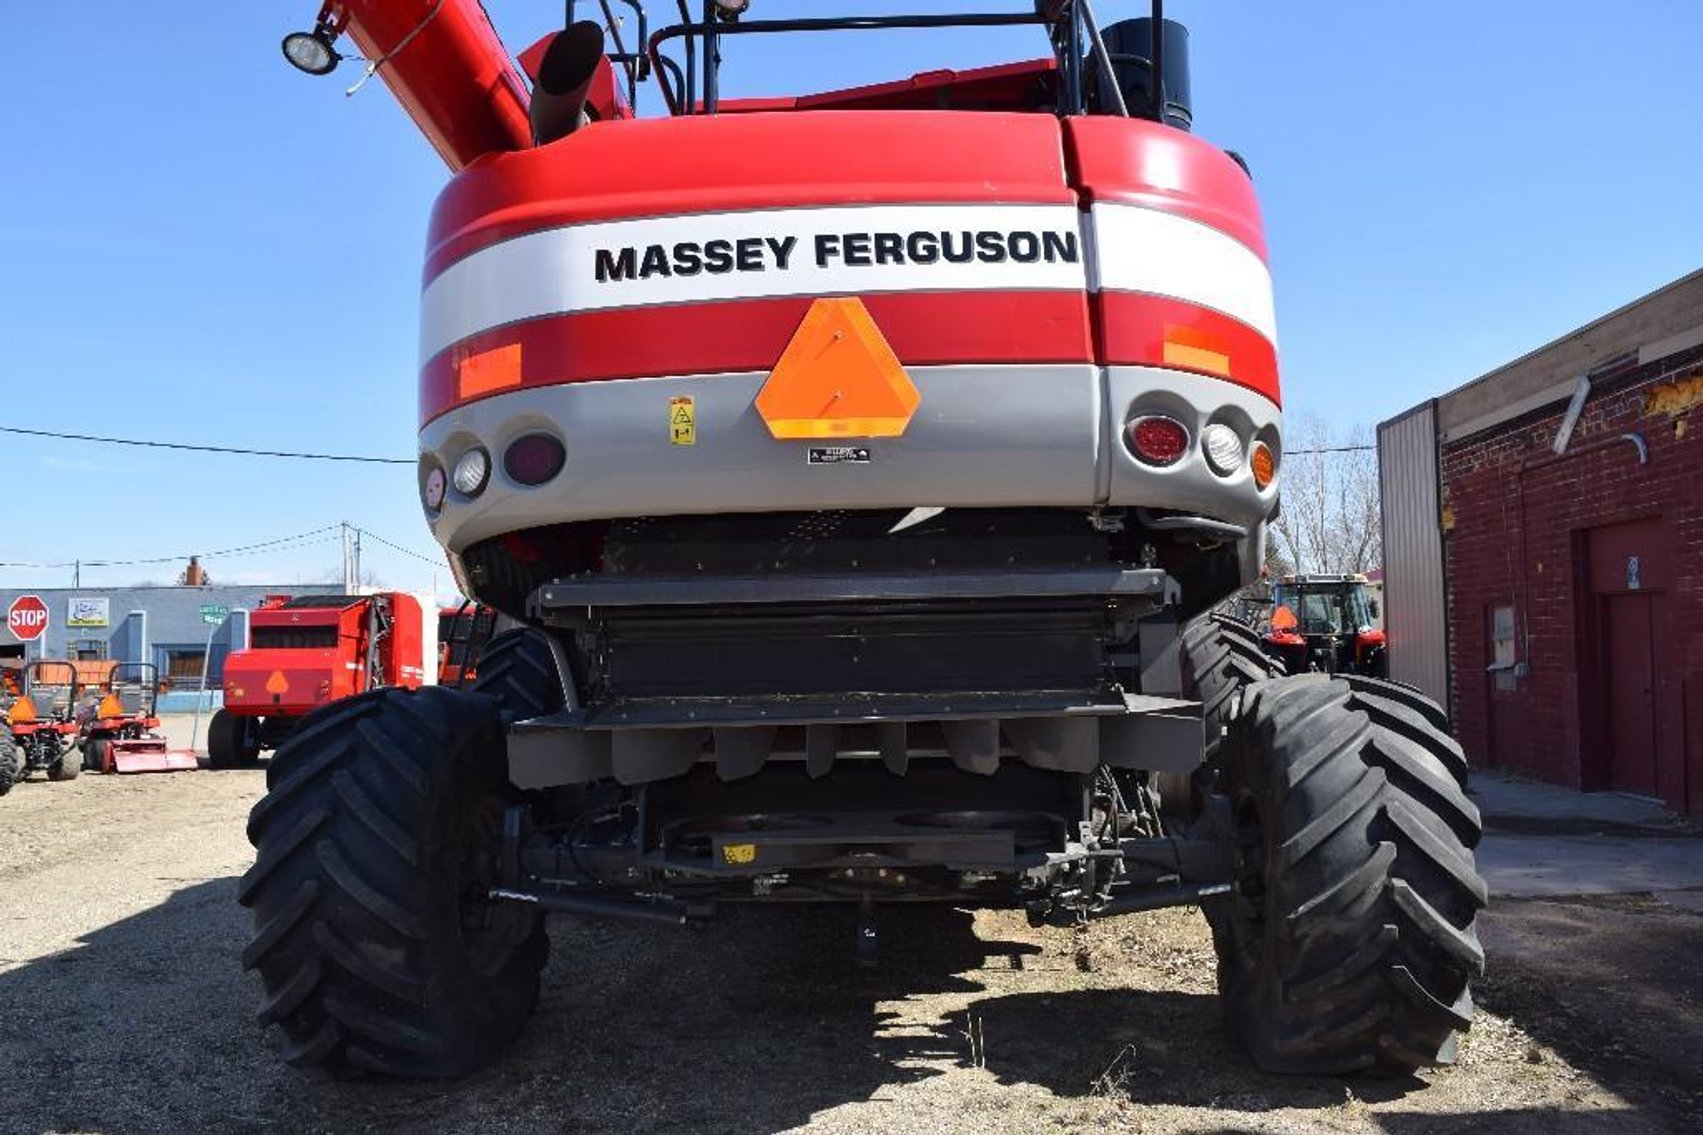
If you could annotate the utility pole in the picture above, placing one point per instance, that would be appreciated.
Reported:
(348, 561)
(76, 575)
(357, 562)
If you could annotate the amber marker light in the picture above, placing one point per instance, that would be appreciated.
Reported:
(1264, 464)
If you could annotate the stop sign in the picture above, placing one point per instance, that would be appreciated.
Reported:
(27, 617)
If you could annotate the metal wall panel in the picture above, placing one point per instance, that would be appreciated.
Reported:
(1415, 603)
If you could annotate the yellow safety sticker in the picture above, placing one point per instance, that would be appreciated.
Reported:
(682, 421)
(739, 853)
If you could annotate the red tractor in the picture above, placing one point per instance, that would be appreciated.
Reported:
(1325, 624)
(306, 652)
(117, 726)
(40, 722)
(856, 468)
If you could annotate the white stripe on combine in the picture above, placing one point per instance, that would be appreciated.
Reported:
(1144, 250)
(554, 271)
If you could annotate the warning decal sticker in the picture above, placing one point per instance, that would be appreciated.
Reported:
(682, 421)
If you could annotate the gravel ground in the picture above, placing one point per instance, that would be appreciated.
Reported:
(123, 1008)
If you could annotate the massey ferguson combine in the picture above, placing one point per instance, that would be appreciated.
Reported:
(857, 465)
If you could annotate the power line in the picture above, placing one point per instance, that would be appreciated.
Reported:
(301, 539)
(1332, 449)
(434, 561)
(208, 448)
(296, 456)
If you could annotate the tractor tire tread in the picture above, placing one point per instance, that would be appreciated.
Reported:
(357, 924)
(518, 668)
(1360, 955)
(69, 765)
(11, 764)
(1220, 656)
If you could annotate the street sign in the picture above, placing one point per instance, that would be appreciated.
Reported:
(27, 617)
(213, 615)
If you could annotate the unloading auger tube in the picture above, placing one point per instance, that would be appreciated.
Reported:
(849, 471)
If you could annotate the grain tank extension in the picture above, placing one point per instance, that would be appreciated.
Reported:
(851, 470)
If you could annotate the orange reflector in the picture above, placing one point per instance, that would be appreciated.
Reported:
(22, 712)
(1283, 619)
(1264, 464)
(486, 371)
(1196, 349)
(110, 707)
(276, 683)
(838, 377)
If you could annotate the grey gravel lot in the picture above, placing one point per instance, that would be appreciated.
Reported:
(123, 1008)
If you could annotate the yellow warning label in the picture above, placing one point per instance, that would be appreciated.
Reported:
(682, 422)
(739, 853)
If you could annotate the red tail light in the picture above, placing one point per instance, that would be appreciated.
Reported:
(1156, 439)
(534, 459)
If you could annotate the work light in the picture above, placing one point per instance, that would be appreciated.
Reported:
(312, 51)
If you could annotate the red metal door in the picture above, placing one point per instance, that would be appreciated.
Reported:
(1630, 677)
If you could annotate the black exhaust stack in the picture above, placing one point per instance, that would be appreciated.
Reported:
(1134, 55)
(564, 80)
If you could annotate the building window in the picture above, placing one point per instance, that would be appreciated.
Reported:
(183, 665)
(88, 650)
(1502, 661)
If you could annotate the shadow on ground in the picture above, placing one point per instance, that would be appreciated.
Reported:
(1611, 982)
(755, 1024)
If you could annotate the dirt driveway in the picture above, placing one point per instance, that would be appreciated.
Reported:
(122, 1008)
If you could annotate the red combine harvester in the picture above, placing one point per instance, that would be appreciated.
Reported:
(858, 467)
(306, 652)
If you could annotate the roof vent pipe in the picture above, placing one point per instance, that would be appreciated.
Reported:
(1130, 44)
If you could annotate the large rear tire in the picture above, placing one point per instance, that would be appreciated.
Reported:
(519, 669)
(11, 764)
(1220, 657)
(1349, 944)
(227, 742)
(374, 936)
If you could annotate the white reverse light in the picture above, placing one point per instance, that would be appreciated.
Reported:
(1223, 448)
(472, 470)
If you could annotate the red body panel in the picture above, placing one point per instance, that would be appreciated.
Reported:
(804, 159)
(446, 66)
(1133, 329)
(291, 681)
(923, 328)
(657, 167)
(1137, 162)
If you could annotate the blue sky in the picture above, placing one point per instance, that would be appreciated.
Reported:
(198, 243)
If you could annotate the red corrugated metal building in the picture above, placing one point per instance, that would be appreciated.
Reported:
(1566, 505)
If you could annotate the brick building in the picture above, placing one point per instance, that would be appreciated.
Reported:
(1544, 553)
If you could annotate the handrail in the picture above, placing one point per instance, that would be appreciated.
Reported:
(688, 29)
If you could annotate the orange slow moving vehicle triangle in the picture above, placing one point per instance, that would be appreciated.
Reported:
(837, 378)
